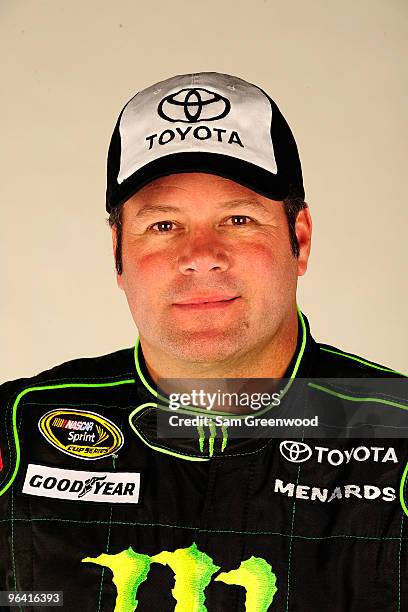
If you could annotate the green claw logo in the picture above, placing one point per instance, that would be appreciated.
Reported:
(193, 571)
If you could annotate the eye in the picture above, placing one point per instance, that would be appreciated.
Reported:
(162, 226)
(241, 219)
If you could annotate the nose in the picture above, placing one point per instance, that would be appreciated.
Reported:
(202, 255)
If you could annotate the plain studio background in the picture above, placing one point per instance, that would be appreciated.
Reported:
(338, 72)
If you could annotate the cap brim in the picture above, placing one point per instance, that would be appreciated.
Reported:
(259, 180)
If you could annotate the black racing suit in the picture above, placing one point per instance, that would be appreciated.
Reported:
(149, 524)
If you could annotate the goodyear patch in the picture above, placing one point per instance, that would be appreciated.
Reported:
(80, 433)
(77, 485)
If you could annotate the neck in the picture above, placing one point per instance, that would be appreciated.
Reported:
(268, 359)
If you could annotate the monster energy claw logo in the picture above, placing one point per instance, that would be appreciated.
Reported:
(193, 571)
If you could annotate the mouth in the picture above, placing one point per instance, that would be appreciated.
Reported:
(206, 303)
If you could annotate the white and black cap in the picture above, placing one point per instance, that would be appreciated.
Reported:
(203, 122)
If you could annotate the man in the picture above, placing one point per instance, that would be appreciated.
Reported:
(210, 232)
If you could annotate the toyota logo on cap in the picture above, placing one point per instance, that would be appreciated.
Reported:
(190, 105)
(295, 452)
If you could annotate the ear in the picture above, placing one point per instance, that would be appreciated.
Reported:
(303, 229)
(119, 278)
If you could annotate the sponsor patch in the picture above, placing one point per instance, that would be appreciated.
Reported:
(323, 494)
(81, 434)
(79, 485)
(299, 452)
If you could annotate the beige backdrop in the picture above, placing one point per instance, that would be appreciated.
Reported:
(337, 70)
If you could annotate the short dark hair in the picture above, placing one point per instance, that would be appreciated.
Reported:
(115, 220)
(293, 204)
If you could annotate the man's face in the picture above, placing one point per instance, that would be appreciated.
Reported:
(208, 270)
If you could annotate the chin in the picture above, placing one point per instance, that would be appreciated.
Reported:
(210, 346)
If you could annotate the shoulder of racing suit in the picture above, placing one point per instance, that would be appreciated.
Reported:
(118, 363)
(333, 361)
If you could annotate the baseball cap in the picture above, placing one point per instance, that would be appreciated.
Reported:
(203, 122)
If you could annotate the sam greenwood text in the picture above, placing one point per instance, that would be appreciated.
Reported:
(247, 421)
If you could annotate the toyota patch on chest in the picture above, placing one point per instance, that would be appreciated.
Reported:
(82, 434)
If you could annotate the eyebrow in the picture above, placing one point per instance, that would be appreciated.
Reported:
(149, 209)
(254, 204)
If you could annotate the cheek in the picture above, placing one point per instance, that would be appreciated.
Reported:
(141, 273)
(267, 257)
(259, 254)
(268, 266)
